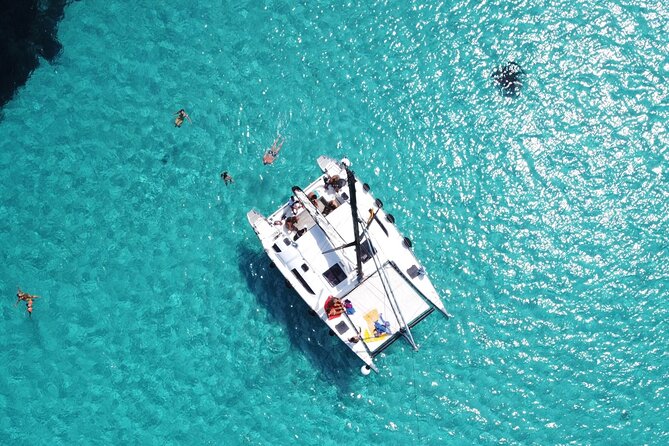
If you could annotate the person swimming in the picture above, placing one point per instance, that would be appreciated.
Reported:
(181, 115)
(273, 151)
(27, 298)
(227, 178)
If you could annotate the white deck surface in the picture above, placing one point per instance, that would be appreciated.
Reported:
(301, 259)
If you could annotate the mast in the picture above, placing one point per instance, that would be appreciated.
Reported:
(350, 176)
(330, 233)
(406, 332)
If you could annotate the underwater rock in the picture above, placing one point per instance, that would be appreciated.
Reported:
(509, 78)
(27, 30)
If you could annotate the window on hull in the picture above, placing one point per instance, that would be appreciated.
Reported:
(304, 283)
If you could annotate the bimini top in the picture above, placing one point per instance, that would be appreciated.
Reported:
(345, 257)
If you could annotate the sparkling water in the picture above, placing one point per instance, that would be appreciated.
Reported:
(542, 220)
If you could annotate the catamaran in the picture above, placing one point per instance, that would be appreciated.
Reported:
(358, 274)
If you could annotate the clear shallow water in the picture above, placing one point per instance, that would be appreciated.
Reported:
(542, 220)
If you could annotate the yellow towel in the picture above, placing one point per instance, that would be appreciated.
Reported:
(371, 317)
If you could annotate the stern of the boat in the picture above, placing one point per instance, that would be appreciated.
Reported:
(260, 224)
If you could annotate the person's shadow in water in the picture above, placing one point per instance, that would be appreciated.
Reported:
(306, 331)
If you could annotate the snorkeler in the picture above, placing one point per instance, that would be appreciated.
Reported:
(273, 152)
(181, 115)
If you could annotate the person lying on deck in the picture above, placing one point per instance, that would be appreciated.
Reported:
(290, 223)
(381, 327)
(295, 205)
(355, 339)
(334, 307)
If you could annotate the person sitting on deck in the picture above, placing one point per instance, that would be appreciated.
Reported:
(335, 182)
(381, 327)
(299, 233)
(313, 198)
(319, 203)
(290, 223)
(329, 206)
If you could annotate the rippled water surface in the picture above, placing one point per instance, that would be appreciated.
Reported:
(542, 220)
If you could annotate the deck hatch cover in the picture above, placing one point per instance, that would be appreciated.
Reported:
(341, 327)
(335, 275)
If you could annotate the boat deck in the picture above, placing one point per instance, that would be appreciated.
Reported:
(302, 238)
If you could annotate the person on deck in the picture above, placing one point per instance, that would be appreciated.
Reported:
(381, 327)
(335, 182)
(295, 205)
(290, 223)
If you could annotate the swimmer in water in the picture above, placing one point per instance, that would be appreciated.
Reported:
(27, 298)
(181, 115)
(227, 178)
(273, 152)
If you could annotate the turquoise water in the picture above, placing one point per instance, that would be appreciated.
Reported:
(542, 220)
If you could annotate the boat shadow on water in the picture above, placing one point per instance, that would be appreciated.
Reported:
(304, 329)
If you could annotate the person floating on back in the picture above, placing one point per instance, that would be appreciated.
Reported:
(27, 298)
(227, 178)
(181, 115)
(273, 151)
